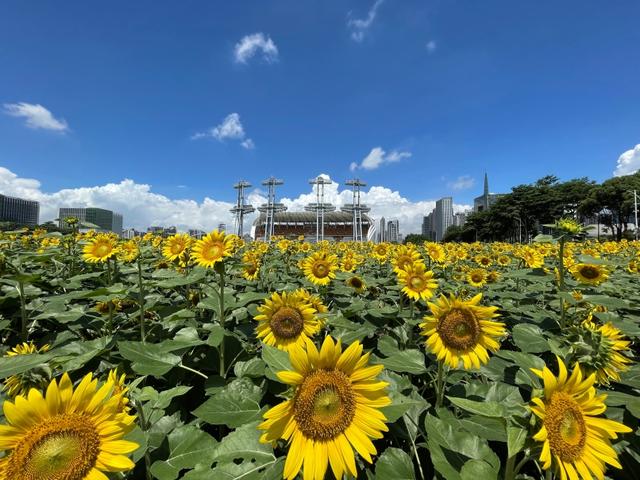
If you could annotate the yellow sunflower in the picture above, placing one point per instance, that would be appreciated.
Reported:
(576, 441)
(404, 256)
(101, 248)
(504, 260)
(314, 300)
(21, 384)
(607, 358)
(589, 273)
(483, 260)
(212, 248)
(319, 268)
(251, 266)
(461, 330)
(477, 277)
(286, 320)
(357, 284)
(435, 251)
(532, 258)
(128, 251)
(335, 409)
(380, 252)
(66, 434)
(418, 282)
(176, 245)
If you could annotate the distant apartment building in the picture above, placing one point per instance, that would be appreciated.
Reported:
(460, 218)
(428, 228)
(484, 201)
(382, 231)
(91, 218)
(162, 231)
(195, 233)
(19, 210)
(222, 227)
(130, 233)
(443, 217)
(393, 231)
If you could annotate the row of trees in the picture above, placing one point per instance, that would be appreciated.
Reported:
(519, 215)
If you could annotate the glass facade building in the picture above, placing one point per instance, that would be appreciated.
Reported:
(104, 220)
(19, 210)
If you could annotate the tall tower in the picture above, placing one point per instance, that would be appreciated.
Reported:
(356, 208)
(485, 192)
(241, 208)
(320, 206)
(271, 207)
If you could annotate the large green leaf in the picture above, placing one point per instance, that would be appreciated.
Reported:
(406, 361)
(235, 405)
(394, 464)
(149, 358)
(188, 447)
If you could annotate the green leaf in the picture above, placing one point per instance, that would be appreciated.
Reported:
(75, 355)
(478, 469)
(253, 368)
(516, 438)
(161, 400)
(188, 446)
(394, 464)
(196, 275)
(276, 359)
(530, 338)
(487, 409)
(406, 361)
(148, 358)
(22, 363)
(235, 405)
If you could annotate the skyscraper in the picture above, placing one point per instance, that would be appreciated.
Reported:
(443, 217)
(393, 231)
(18, 210)
(382, 233)
(428, 227)
(104, 220)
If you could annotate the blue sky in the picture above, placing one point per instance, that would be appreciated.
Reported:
(447, 89)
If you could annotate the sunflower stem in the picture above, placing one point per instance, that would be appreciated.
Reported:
(509, 471)
(548, 475)
(141, 300)
(561, 282)
(223, 372)
(144, 426)
(193, 370)
(440, 385)
(412, 308)
(23, 311)
(415, 451)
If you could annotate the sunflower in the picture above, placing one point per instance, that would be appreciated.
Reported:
(404, 256)
(286, 320)
(568, 226)
(531, 257)
(477, 277)
(575, 440)
(319, 268)
(176, 245)
(335, 409)
(483, 260)
(435, 251)
(380, 252)
(461, 331)
(418, 282)
(128, 251)
(251, 266)
(100, 249)
(313, 300)
(504, 260)
(607, 359)
(357, 284)
(66, 434)
(20, 384)
(589, 273)
(212, 248)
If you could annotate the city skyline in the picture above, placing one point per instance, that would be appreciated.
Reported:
(188, 99)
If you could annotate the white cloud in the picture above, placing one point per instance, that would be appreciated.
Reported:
(230, 128)
(36, 116)
(250, 45)
(462, 183)
(376, 157)
(359, 26)
(431, 46)
(141, 207)
(628, 162)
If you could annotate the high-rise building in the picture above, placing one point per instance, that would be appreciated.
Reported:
(484, 201)
(222, 227)
(443, 217)
(104, 220)
(382, 231)
(130, 233)
(196, 233)
(393, 231)
(19, 210)
(162, 231)
(460, 218)
(428, 229)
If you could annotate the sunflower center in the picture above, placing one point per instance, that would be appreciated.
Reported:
(416, 282)
(324, 405)
(320, 269)
(212, 251)
(176, 248)
(459, 329)
(102, 249)
(589, 272)
(356, 282)
(66, 447)
(403, 261)
(566, 427)
(287, 322)
(477, 277)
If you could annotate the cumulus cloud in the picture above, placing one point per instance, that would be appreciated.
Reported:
(462, 183)
(628, 162)
(230, 128)
(36, 116)
(250, 45)
(141, 207)
(431, 46)
(376, 157)
(359, 26)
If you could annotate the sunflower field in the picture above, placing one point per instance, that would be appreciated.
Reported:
(212, 358)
